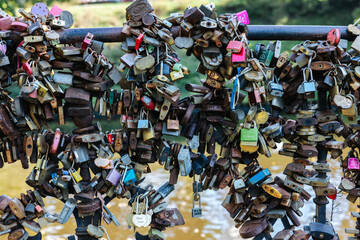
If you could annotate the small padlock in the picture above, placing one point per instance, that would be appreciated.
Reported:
(196, 211)
(353, 162)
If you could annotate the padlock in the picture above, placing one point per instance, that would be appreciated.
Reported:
(17, 208)
(173, 124)
(67, 211)
(129, 177)
(196, 211)
(307, 88)
(353, 162)
(249, 137)
(149, 133)
(234, 46)
(142, 123)
(148, 103)
(274, 88)
(184, 161)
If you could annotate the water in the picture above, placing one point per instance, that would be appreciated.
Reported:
(215, 223)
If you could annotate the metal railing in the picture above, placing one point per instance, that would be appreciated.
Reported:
(256, 32)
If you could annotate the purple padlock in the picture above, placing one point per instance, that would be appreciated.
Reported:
(353, 163)
(113, 178)
(3, 48)
(40, 9)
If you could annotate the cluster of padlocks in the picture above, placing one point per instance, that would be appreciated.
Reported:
(314, 86)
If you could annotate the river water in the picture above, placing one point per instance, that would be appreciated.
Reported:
(215, 223)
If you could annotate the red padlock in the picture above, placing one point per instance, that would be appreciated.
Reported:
(333, 36)
(87, 40)
(110, 138)
(234, 46)
(333, 197)
(27, 68)
(148, 102)
(139, 41)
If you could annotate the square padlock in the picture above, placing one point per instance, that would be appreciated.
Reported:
(234, 46)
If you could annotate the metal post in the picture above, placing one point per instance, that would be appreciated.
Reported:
(256, 32)
(321, 201)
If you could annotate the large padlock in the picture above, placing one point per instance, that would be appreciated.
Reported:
(249, 136)
(129, 177)
(308, 88)
(142, 123)
(173, 124)
(184, 161)
(149, 133)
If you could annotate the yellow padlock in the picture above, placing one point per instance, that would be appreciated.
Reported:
(272, 191)
(76, 176)
(149, 133)
(261, 117)
(249, 149)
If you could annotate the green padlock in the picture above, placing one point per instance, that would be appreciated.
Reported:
(150, 48)
(249, 136)
(155, 234)
(177, 67)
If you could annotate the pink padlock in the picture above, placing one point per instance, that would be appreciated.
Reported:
(239, 57)
(55, 11)
(33, 94)
(87, 40)
(353, 163)
(19, 26)
(27, 68)
(5, 23)
(243, 17)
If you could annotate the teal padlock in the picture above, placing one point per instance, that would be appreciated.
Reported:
(150, 48)
(263, 55)
(177, 67)
(130, 177)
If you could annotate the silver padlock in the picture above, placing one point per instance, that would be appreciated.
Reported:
(184, 161)
(67, 211)
(194, 143)
(196, 211)
(126, 160)
(81, 154)
(63, 78)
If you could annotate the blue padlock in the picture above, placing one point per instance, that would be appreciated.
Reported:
(259, 177)
(200, 163)
(165, 69)
(130, 177)
(54, 178)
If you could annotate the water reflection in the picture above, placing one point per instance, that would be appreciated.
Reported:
(215, 223)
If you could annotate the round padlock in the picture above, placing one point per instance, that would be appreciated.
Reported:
(68, 18)
(40, 9)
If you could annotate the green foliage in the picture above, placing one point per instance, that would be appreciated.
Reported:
(10, 6)
(324, 12)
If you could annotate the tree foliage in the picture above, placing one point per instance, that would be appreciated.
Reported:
(324, 12)
(10, 6)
